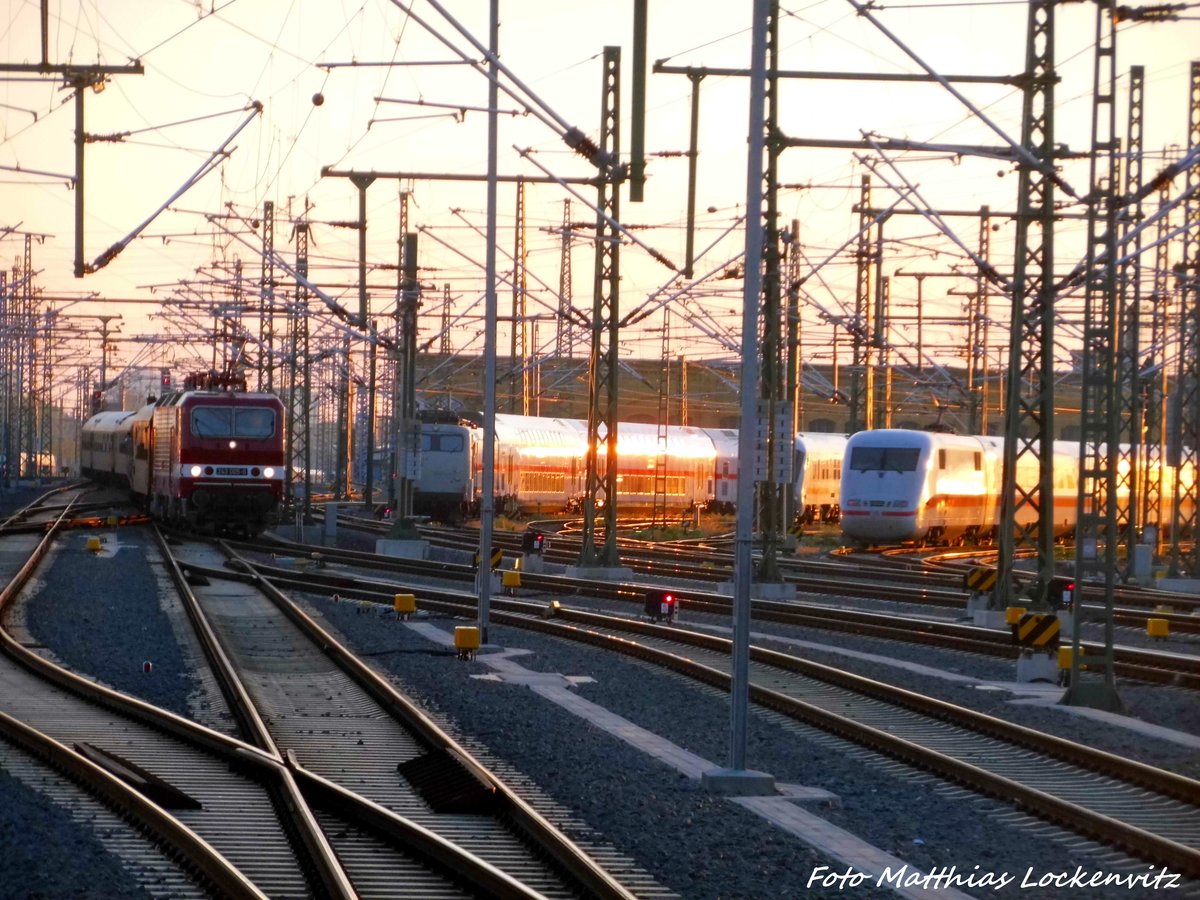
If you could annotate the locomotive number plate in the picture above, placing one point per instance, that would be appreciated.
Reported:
(231, 470)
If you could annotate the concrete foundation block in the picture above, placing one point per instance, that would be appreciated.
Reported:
(1037, 666)
(760, 590)
(990, 618)
(738, 783)
(402, 549)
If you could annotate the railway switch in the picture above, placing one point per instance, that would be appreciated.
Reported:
(1159, 629)
(510, 579)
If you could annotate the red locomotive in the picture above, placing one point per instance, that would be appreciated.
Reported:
(210, 456)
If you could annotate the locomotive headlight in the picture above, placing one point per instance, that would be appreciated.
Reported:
(233, 445)
(195, 471)
(269, 472)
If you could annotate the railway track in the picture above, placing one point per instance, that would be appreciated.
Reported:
(338, 722)
(1153, 666)
(268, 815)
(935, 581)
(1151, 813)
(81, 729)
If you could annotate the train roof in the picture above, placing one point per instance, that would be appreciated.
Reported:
(906, 437)
(682, 440)
(724, 440)
(218, 398)
(533, 434)
(821, 441)
(108, 420)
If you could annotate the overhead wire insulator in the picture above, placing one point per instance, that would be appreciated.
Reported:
(1159, 12)
(586, 147)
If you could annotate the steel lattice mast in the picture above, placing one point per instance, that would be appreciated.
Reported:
(519, 345)
(1154, 502)
(1026, 508)
(1096, 535)
(1183, 439)
(564, 334)
(266, 321)
(299, 392)
(1130, 400)
(7, 354)
(601, 486)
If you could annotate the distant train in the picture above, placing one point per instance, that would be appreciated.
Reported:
(903, 486)
(540, 467)
(210, 456)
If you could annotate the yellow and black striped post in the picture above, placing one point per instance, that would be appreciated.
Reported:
(497, 556)
(1039, 631)
(981, 580)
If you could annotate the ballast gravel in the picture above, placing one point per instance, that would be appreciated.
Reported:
(694, 844)
(699, 845)
(101, 618)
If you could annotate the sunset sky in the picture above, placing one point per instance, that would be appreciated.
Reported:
(207, 62)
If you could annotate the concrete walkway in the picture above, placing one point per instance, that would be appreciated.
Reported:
(866, 866)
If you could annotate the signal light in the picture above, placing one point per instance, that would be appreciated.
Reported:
(1062, 591)
(661, 605)
(533, 541)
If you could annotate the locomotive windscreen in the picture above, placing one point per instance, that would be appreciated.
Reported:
(438, 442)
(884, 459)
(233, 422)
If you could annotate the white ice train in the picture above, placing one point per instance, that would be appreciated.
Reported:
(903, 486)
(541, 464)
(540, 467)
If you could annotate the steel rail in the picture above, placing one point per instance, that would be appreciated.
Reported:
(291, 801)
(1178, 670)
(520, 612)
(198, 854)
(1080, 819)
(576, 625)
(565, 852)
(306, 788)
(205, 861)
(412, 836)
